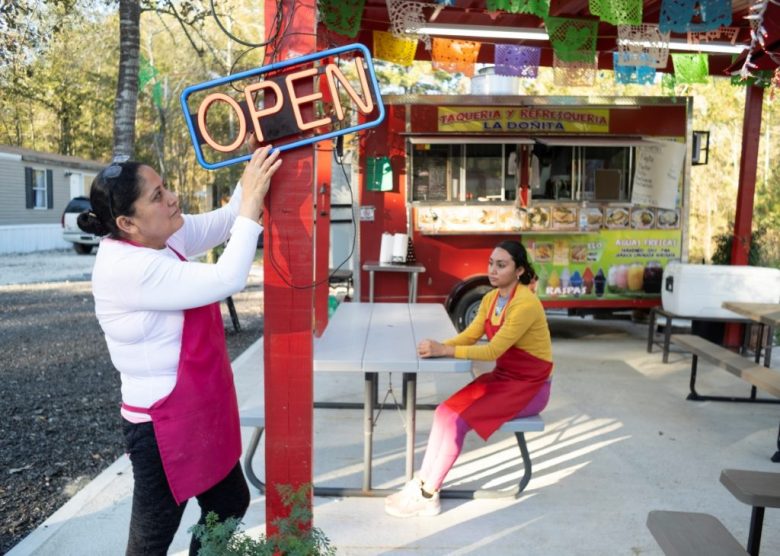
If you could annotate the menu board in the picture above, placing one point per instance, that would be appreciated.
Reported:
(609, 264)
(658, 169)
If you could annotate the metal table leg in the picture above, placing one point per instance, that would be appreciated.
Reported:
(410, 380)
(413, 287)
(754, 536)
(370, 286)
(667, 338)
(368, 447)
(368, 428)
(651, 331)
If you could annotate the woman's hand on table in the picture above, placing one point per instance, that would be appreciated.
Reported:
(432, 348)
(256, 180)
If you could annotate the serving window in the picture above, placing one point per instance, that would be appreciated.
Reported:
(583, 169)
(484, 171)
(566, 169)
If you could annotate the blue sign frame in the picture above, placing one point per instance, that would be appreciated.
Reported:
(373, 84)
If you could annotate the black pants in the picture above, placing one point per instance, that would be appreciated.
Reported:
(155, 515)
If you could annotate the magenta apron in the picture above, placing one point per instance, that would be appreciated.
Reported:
(494, 398)
(196, 425)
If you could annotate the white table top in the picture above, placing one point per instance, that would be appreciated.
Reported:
(383, 337)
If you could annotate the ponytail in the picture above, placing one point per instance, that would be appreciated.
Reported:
(113, 193)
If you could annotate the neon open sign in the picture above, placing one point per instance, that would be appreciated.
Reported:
(271, 103)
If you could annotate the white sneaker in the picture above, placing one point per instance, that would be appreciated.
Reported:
(410, 502)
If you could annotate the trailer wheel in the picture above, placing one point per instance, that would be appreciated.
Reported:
(466, 309)
(82, 248)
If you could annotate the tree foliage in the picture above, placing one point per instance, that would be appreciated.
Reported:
(59, 64)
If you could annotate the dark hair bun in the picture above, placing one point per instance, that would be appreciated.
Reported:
(89, 222)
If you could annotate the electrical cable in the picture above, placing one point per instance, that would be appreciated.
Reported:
(289, 282)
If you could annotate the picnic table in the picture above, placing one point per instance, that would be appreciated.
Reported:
(765, 314)
(370, 338)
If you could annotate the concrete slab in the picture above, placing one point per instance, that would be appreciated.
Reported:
(621, 440)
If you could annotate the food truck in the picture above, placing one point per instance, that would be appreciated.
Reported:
(595, 188)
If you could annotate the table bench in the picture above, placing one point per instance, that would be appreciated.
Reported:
(692, 534)
(758, 489)
(750, 371)
(253, 416)
(519, 426)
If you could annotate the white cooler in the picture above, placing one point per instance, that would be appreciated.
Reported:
(696, 290)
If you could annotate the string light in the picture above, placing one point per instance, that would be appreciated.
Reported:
(758, 36)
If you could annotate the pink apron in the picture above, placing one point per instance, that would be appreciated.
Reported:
(494, 398)
(196, 425)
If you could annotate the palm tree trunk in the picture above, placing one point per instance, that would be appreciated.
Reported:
(127, 84)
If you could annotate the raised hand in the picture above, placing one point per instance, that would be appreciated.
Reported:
(256, 180)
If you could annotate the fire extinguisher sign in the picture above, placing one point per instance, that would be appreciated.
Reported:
(288, 104)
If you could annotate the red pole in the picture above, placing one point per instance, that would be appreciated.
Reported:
(289, 271)
(751, 134)
(743, 219)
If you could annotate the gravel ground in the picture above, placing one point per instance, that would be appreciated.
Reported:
(59, 393)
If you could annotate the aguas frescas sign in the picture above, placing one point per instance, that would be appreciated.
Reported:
(269, 102)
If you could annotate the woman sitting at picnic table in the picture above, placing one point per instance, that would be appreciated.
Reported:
(513, 319)
(164, 330)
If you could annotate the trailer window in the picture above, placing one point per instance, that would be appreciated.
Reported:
(555, 165)
(579, 172)
(431, 174)
(464, 171)
(484, 172)
(606, 171)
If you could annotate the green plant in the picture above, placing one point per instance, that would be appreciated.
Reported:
(722, 254)
(294, 537)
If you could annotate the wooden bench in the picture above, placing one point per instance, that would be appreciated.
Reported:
(254, 417)
(692, 534)
(741, 367)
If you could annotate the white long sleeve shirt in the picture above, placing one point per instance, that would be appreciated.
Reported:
(141, 294)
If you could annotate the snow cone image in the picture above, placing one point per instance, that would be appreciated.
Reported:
(553, 284)
(600, 280)
(576, 282)
(565, 278)
(587, 280)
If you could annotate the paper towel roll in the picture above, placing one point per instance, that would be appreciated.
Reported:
(386, 248)
(400, 247)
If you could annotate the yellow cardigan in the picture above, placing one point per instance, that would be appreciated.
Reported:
(525, 327)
